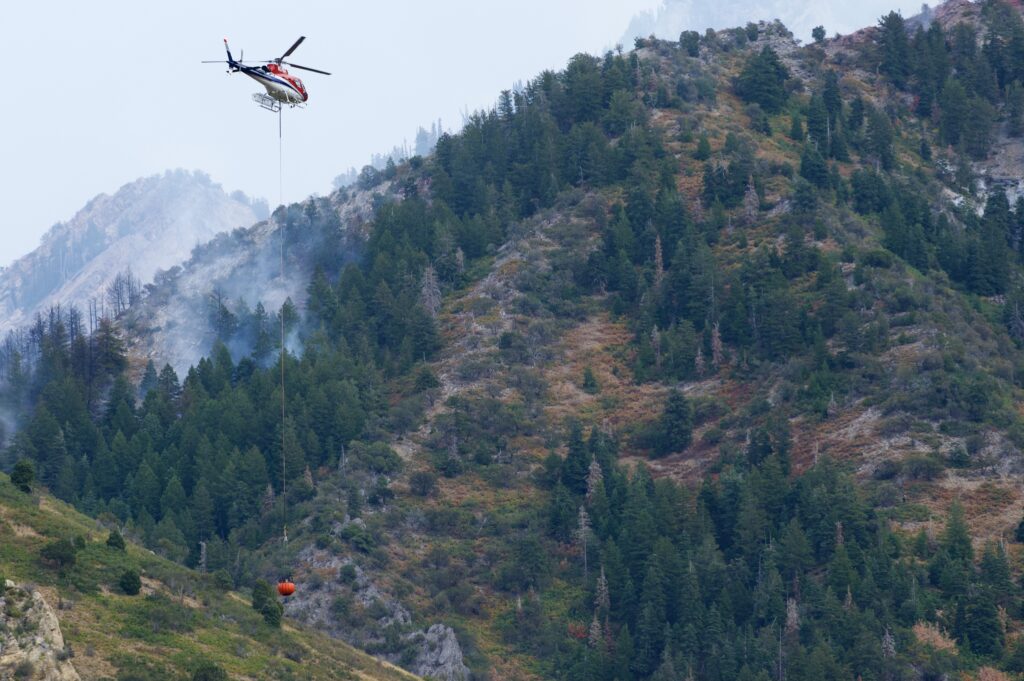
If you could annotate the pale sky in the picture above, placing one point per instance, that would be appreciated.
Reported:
(101, 93)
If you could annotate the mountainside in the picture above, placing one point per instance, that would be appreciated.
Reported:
(75, 620)
(147, 225)
(214, 294)
(699, 361)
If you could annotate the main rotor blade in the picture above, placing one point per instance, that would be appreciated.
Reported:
(215, 61)
(305, 68)
(292, 48)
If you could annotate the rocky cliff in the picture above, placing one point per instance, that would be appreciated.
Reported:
(31, 643)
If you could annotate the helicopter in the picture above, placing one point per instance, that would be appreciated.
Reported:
(282, 87)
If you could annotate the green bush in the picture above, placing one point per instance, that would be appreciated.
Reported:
(130, 582)
(116, 541)
(23, 475)
(272, 614)
(61, 552)
(222, 580)
(209, 672)
(347, 573)
(422, 483)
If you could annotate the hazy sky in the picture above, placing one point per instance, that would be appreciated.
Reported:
(100, 93)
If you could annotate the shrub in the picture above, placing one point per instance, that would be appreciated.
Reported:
(61, 552)
(922, 468)
(422, 483)
(261, 595)
(209, 672)
(426, 380)
(222, 580)
(347, 573)
(359, 537)
(23, 475)
(116, 541)
(130, 582)
(272, 614)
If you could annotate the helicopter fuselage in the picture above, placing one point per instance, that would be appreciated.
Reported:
(279, 84)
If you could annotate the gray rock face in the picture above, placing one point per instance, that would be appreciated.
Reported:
(434, 652)
(439, 654)
(30, 638)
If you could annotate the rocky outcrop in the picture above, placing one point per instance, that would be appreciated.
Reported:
(432, 653)
(438, 654)
(31, 643)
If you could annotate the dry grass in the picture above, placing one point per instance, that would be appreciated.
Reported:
(931, 635)
(987, 674)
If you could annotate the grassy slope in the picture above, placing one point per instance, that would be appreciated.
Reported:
(180, 619)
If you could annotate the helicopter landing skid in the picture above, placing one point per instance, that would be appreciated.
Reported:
(267, 102)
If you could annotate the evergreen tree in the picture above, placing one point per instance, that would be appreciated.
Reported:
(796, 128)
(675, 428)
(895, 49)
(577, 462)
(762, 81)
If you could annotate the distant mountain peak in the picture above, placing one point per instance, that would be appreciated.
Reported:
(146, 225)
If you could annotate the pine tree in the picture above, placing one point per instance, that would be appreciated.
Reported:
(880, 139)
(956, 539)
(703, 151)
(149, 379)
(813, 167)
(676, 425)
(818, 122)
(796, 128)
(576, 466)
(762, 81)
(895, 49)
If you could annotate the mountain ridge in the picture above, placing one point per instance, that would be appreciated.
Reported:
(146, 225)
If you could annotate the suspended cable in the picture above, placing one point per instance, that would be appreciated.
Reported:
(280, 202)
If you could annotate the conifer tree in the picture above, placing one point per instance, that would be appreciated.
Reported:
(762, 81)
(676, 425)
(895, 49)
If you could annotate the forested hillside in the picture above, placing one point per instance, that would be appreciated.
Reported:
(697, 361)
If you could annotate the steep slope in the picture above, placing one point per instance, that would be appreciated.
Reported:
(213, 293)
(147, 225)
(180, 620)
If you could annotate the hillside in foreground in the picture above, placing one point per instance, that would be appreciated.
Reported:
(179, 621)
